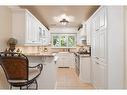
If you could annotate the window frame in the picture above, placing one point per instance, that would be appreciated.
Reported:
(64, 34)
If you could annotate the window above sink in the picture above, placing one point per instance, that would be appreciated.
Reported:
(60, 40)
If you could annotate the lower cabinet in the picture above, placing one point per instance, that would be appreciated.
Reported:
(85, 69)
(47, 79)
(99, 75)
(65, 59)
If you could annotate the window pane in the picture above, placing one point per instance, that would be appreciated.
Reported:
(71, 41)
(56, 41)
(63, 41)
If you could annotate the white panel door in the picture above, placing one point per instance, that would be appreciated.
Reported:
(36, 32)
(102, 44)
(102, 16)
(85, 69)
(88, 32)
(29, 32)
(99, 74)
(97, 44)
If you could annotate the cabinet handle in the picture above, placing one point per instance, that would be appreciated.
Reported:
(97, 63)
(97, 58)
(97, 29)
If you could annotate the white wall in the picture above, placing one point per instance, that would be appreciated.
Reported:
(63, 30)
(125, 15)
(5, 26)
(115, 47)
(5, 34)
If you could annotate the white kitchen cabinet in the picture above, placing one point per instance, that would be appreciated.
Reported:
(99, 44)
(85, 71)
(79, 41)
(107, 49)
(88, 32)
(32, 33)
(45, 41)
(49, 75)
(102, 44)
(26, 28)
(100, 19)
(103, 19)
(81, 36)
(65, 59)
(98, 52)
(47, 78)
(99, 74)
(35, 29)
(45, 37)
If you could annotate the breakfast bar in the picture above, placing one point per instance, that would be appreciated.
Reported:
(47, 79)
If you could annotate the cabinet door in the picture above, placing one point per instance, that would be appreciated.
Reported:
(44, 35)
(29, 32)
(102, 44)
(68, 60)
(47, 79)
(97, 22)
(99, 75)
(85, 69)
(78, 39)
(93, 37)
(97, 44)
(60, 61)
(88, 32)
(45, 41)
(31, 28)
(81, 36)
(102, 15)
(102, 76)
(36, 31)
(95, 74)
(47, 33)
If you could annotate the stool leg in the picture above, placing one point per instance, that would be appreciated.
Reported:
(10, 86)
(36, 84)
(20, 87)
(27, 87)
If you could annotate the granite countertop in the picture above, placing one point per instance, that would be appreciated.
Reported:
(40, 54)
(82, 55)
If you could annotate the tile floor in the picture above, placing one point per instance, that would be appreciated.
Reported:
(67, 79)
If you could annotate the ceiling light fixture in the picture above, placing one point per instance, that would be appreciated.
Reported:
(63, 19)
(64, 22)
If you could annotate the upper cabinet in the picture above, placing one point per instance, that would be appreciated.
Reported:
(98, 44)
(28, 30)
(32, 27)
(107, 52)
(100, 19)
(99, 22)
(45, 36)
(81, 36)
(88, 32)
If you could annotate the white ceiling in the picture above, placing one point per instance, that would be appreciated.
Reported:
(46, 14)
